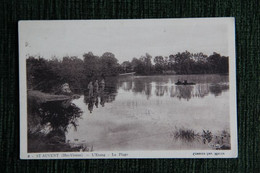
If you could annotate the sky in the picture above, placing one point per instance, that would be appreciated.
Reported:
(124, 38)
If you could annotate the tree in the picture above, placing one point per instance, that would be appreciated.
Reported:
(159, 64)
(72, 71)
(109, 65)
(199, 57)
(171, 62)
(223, 65)
(183, 63)
(147, 63)
(138, 66)
(41, 75)
(126, 67)
(214, 61)
(91, 65)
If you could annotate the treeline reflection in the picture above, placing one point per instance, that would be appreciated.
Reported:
(170, 89)
(148, 88)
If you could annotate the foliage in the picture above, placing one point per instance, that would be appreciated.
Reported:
(48, 75)
(42, 74)
(59, 116)
(181, 63)
(126, 67)
(109, 64)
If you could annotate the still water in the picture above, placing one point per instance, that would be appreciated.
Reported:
(142, 112)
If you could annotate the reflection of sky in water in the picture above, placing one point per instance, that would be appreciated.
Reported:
(145, 110)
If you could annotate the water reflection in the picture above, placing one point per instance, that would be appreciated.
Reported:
(217, 89)
(140, 86)
(166, 87)
(155, 86)
(189, 91)
(184, 92)
(105, 94)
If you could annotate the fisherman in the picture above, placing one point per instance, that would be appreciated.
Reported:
(90, 89)
(96, 86)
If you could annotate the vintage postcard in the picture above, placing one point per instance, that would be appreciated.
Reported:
(148, 88)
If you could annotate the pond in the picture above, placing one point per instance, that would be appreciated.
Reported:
(144, 112)
(136, 113)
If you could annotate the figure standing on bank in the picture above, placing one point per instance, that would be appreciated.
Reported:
(96, 87)
(102, 84)
(90, 89)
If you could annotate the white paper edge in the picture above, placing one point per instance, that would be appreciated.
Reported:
(233, 153)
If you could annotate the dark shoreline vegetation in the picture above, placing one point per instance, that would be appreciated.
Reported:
(48, 75)
(49, 117)
(51, 113)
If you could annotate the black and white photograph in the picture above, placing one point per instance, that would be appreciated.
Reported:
(143, 88)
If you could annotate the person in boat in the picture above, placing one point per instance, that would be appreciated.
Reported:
(185, 82)
(90, 89)
(178, 82)
(96, 86)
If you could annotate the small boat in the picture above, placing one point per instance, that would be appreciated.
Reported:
(184, 83)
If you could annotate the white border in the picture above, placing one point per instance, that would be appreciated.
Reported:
(233, 153)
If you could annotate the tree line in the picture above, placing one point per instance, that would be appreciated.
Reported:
(180, 63)
(48, 75)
